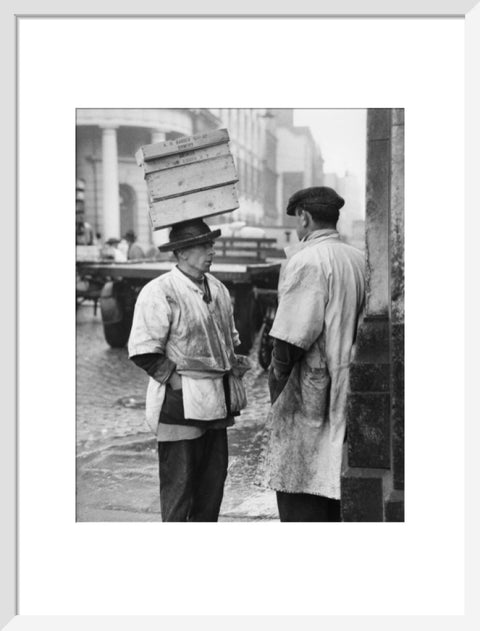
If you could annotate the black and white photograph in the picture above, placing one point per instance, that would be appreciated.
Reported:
(239, 315)
(251, 327)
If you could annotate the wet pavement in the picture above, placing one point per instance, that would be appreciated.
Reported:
(117, 467)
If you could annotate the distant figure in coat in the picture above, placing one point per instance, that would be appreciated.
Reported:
(134, 251)
(84, 233)
(321, 297)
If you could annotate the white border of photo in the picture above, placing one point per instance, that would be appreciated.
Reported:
(60, 574)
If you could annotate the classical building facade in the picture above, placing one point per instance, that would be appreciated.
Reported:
(272, 156)
(115, 193)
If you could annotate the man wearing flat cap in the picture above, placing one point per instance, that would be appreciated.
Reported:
(321, 296)
(183, 335)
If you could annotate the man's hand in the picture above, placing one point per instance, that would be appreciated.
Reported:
(175, 381)
(241, 365)
(275, 384)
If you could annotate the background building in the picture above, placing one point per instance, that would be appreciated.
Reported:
(253, 145)
(300, 162)
(115, 196)
(351, 224)
(274, 158)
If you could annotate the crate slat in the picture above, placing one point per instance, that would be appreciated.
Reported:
(180, 145)
(197, 155)
(191, 177)
(234, 240)
(213, 201)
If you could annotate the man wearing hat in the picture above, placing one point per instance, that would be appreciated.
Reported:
(183, 335)
(321, 296)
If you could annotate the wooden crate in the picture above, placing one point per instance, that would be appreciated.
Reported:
(187, 157)
(189, 177)
(180, 145)
(213, 201)
(193, 177)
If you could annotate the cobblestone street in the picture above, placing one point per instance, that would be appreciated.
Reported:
(117, 469)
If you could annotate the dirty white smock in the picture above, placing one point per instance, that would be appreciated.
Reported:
(172, 318)
(321, 295)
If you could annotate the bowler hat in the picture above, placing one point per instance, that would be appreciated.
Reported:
(189, 233)
(316, 199)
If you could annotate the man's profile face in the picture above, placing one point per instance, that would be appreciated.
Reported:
(197, 260)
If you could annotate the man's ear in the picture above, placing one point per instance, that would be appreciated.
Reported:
(306, 219)
(181, 254)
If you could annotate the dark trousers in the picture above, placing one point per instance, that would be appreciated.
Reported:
(192, 477)
(306, 507)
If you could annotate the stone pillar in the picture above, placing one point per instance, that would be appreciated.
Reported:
(397, 297)
(377, 212)
(111, 202)
(373, 476)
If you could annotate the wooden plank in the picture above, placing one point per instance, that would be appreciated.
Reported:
(234, 240)
(142, 273)
(251, 255)
(191, 177)
(180, 159)
(220, 258)
(182, 144)
(213, 201)
(146, 271)
(221, 245)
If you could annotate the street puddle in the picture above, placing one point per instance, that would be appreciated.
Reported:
(132, 401)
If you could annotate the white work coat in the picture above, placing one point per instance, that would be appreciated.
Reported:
(321, 295)
(172, 318)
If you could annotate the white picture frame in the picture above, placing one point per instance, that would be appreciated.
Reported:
(469, 11)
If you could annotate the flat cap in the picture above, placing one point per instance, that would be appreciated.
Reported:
(315, 199)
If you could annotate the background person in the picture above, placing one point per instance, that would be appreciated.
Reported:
(321, 295)
(111, 251)
(134, 251)
(84, 233)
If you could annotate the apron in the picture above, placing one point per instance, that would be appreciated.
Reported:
(172, 318)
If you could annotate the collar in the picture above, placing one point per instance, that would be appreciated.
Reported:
(317, 236)
(197, 281)
(186, 278)
(199, 284)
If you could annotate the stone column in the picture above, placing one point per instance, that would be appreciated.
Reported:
(369, 419)
(394, 508)
(111, 202)
(377, 218)
(372, 481)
